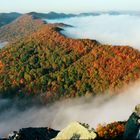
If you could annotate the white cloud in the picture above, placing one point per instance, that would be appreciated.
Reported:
(102, 109)
(108, 29)
(3, 44)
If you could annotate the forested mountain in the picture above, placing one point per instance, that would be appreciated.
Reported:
(51, 15)
(6, 18)
(48, 64)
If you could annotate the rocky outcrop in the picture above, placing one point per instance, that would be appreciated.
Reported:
(76, 131)
(129, 130)
(132, 128)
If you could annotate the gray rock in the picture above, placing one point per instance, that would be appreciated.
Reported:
(132, 128)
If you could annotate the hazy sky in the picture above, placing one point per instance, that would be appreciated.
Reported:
(68, 5)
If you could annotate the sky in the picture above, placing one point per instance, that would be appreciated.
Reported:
(68, 6)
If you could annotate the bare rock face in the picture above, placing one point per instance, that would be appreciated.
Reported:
(137, 110)
(132, 128)
(76, 131)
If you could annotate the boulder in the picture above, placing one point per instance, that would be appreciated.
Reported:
(132, 127)
(76, 131)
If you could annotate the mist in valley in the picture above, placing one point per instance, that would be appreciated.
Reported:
(123, 29)
(2, 44)
(107, 29)
(100, 109)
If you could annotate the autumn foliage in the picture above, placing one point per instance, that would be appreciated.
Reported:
(54, 66)
(112, 131)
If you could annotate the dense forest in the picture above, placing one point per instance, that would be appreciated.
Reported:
(49, 64)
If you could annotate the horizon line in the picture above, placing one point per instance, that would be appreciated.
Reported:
(69, 12)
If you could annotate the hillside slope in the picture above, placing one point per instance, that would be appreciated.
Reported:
(53, 66)
(6, 18)
(22, 26)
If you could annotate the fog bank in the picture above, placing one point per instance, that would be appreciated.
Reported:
(102, 109)
(2, 44)
(107, 29)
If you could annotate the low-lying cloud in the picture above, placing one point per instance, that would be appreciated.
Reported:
(101, 109)
(2, 44)
(108, 29)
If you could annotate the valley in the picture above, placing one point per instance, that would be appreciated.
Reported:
(50, 79)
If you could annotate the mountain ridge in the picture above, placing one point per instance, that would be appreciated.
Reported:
(6, 18)
(19, 28)
(55, 66)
